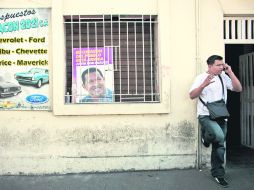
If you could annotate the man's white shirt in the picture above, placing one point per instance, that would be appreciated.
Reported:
(212, 92)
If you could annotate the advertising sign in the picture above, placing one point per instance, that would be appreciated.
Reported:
(24, 59)
(92, 75)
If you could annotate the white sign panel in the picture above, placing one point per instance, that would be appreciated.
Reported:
(24, 59)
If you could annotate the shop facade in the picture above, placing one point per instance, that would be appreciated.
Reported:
(149, 53)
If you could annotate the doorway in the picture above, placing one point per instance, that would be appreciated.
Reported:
(237, 154)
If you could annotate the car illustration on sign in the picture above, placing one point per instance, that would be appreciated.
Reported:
(8, 89)
(35, 76)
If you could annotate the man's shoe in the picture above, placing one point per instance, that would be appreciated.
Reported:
(206, 144)
(221, 181)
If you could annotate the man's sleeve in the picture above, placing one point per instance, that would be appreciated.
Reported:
(196, 84)
(228, 82)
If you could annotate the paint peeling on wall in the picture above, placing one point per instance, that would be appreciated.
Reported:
(184, 129)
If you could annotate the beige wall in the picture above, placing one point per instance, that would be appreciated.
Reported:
(210, 42)
(40, 142)
(237, 7)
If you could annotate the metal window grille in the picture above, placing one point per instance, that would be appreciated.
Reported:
(239, 29)
(133, 40)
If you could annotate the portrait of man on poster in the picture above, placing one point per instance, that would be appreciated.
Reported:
(93, 82)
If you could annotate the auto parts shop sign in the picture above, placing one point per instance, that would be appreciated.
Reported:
(24, 75)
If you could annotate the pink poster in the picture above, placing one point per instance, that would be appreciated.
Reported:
(92, 76)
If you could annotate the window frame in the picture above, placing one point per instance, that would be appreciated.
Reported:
(58, 59)
(126, 89)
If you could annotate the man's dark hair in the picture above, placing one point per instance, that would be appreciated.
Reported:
(90, 70)
(213, 58)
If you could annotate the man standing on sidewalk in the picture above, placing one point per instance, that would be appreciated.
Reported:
(209, 87)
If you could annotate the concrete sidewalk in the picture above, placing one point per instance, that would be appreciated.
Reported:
(189, 179)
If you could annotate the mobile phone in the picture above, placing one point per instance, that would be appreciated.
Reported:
(225, 68)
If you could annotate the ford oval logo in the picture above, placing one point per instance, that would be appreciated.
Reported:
(36, 99)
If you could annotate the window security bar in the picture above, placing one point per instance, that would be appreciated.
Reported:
(238, 29)
(127, 41)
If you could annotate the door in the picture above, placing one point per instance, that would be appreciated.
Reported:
(246, 69)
